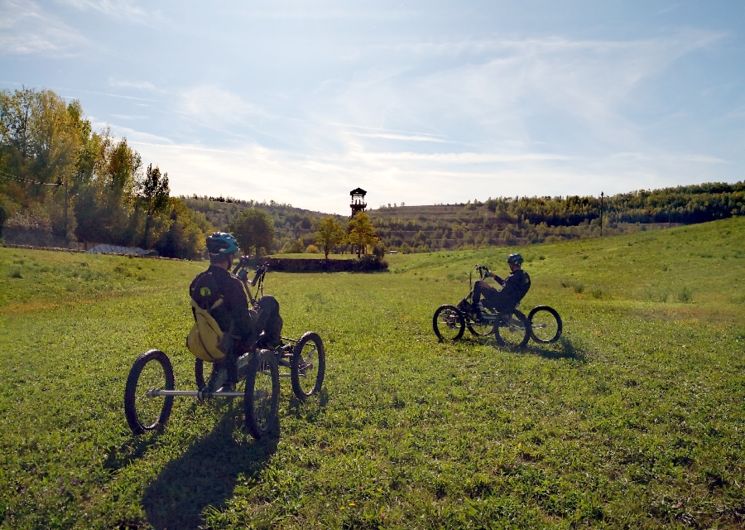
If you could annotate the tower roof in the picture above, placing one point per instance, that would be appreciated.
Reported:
(358, 191)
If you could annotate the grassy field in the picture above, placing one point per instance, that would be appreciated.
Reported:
(635, 419)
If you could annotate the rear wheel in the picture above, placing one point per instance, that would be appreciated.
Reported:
(151, 371)
(448, 323)
(308, 366)
(261, 400)
(513, 332)
(545, 324)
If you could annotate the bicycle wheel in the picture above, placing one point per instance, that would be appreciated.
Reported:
(513, 333)
(261, 399)
(448, 323)
(308, 366)
(483, 329)
(545, 324)
(152, 370)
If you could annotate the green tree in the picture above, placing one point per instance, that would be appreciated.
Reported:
(153, 193)
(186, 232)
(329, 234)
(361, 233)
(254, 230)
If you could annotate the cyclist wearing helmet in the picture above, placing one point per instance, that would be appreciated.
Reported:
(514, 287)
(243, 327)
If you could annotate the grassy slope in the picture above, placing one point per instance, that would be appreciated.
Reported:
(635, 419)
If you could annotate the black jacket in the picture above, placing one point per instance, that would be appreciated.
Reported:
(232, 314)
(515, 286)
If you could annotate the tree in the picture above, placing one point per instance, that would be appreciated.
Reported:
(329, 234)
(153, 195)
(253, 229)
(361, 233)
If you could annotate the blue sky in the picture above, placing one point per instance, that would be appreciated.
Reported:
(417, 102)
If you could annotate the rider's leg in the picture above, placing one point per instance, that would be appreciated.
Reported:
(269, 322)
(489, 293)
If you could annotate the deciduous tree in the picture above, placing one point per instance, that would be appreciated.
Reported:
(254, 230)
(329, 234)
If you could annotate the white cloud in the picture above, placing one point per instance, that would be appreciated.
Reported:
(27, 29)
(113, 8)
(145, 86)
(216, 106)
(322, 182)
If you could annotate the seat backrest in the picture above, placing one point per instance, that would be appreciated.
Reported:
(205, 336)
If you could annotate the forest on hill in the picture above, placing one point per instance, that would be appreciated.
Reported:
(500, 221)
(64, 184)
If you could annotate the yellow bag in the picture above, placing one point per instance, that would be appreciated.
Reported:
(205, 335)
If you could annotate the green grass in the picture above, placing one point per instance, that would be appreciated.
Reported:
(635, 419)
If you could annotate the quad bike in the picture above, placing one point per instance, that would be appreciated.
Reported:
(512, 330)
(150, 388)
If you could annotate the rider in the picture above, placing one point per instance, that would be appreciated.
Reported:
(513, 289)
(244, 327)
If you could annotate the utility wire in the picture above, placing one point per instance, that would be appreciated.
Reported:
(18, 178)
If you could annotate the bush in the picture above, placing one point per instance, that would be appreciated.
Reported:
(312, 249)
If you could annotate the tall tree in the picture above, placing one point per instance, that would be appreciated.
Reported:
(153, 193)
(329, 234)
(254, 230)
(361, 233)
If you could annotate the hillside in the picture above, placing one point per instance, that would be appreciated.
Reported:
(504, 221)
(633, 420)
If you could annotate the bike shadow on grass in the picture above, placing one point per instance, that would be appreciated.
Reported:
(561, 349)
(206, 474)
(310, 409)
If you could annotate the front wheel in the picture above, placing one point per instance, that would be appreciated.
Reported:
(261, 399)
(512, 331)
(545, 324)
(448, 323)
(308, 366)
(151, 371)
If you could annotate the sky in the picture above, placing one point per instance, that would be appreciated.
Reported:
(417, 102)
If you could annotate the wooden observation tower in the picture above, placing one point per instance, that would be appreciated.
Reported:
(358, 203)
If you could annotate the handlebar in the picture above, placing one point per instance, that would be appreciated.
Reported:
(241, 271)
(484, 271)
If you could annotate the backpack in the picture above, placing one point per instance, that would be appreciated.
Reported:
(205, 336)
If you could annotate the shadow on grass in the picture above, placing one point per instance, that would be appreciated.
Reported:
(562, 349)
(131, 450)
(205, 475)
(311, 408)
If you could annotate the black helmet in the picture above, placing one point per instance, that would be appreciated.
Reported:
(221, 244)
(515, 259)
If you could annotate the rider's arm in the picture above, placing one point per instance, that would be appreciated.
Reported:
(237, 301)
(499, 280)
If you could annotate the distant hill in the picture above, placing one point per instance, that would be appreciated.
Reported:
(504, 220)
(294, 228)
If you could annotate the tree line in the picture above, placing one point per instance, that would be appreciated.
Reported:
(61, 182)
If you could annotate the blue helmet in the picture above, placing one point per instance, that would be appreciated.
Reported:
(515, 259)
(221, 244)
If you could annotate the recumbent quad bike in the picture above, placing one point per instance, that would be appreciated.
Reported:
(543, 323)
(150, 388)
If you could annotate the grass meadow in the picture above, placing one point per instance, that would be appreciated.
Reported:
(635, 419)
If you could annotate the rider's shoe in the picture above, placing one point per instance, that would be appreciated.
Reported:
(228, 387)
(476, 312)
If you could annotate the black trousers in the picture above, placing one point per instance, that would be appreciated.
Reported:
(267, 333)
(493, 298)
